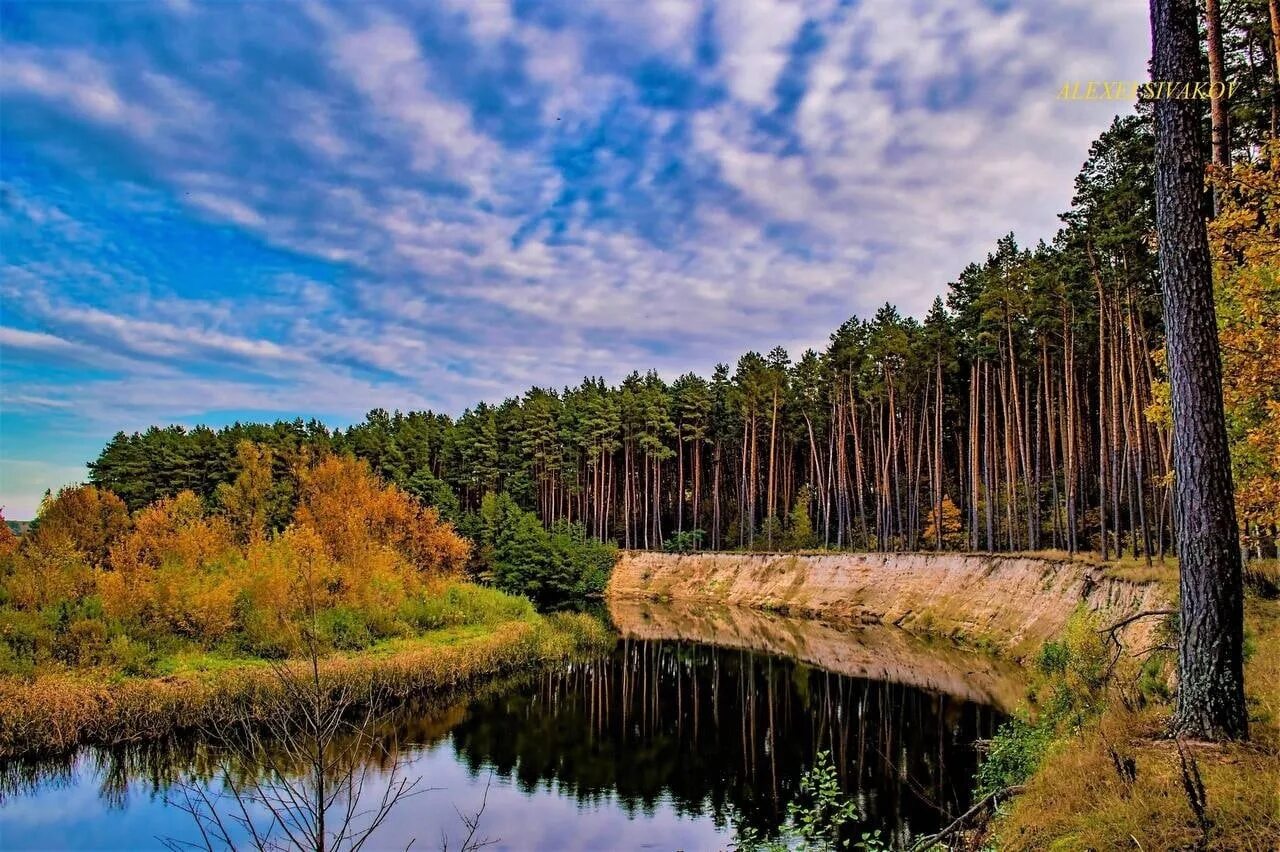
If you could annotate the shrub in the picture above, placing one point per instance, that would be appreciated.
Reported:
(1016, 751)
(456, 604)
(1069, 681)
(263, 632)
(344, 628)
(82, 643)
(27, 637)
(1053, 658)
(130, 656)
(684, 542)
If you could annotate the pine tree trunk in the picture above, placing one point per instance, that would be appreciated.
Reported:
(1218, 115)
(1210, 666)
(1275, 66)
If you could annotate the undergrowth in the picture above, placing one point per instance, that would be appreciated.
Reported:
(1101, 772)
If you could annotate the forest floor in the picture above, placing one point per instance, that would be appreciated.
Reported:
(57, 711)
(1119, 782)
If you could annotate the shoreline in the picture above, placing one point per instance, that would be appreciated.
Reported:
(58, 712)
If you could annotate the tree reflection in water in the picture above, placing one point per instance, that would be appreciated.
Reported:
(706, 731)
(729, 732)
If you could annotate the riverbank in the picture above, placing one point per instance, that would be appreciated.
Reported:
(1012, 604)
(60, 710)
(1135, 794)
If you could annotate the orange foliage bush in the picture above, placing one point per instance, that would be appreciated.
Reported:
(72, 534)
(51, 570)
(175, 570)
(357, 553)
(83, 516)
(353, 511)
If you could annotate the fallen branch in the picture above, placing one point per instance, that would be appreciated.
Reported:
(1120, 625)
(1125, 622)
(986, 801)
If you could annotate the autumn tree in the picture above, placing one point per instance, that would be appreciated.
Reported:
(1246, 253)
(246, 501)
(85, 517)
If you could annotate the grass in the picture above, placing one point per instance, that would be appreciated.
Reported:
(1079, 798)
(59, 709)
(1263, 575)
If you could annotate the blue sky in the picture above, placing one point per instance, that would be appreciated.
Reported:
(230, 210)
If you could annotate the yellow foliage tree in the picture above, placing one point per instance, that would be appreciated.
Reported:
(84, 517)
(246, 500)
(953, 535)
(355, 514)
(176, 570)
(1245, 238)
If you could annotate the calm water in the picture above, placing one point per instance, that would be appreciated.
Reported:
(664, 744)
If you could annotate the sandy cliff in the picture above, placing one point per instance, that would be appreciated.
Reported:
(1015, 602)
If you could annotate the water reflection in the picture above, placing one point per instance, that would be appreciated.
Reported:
(872, 652)
(727, 733)
(670, 742)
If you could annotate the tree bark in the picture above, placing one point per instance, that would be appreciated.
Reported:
(1210, 665)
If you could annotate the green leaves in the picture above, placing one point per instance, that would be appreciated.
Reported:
(552, 566)
(817, 820)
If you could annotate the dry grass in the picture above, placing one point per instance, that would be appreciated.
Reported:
(1079, 800)
(56, 712)
(1263, 575)
(1135, 569)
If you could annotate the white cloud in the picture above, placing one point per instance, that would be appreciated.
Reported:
(386, 64)
(227, 208)
(757, 40)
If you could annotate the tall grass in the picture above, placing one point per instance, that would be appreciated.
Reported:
(1117, 781)
(58, 711)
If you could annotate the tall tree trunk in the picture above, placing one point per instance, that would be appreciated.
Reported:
(680, 480)
(1210, 664)
(1219, 117)
(771, 503)
(1275, 66)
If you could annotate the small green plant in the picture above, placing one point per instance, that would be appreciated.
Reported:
(1016, 751)
(684, 542)
(343, 628)
(816, 820)
(1069, 685)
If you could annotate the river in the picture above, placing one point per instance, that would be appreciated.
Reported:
(699, 723)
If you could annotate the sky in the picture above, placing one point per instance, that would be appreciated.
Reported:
(225, 211)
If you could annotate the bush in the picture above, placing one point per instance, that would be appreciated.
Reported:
(27, 638)
(130, 657)
(1053, 658)
(1069, 681)
(522, 557)
(1016, 751)
(343, 628)
(684, 542)
(82, 643)
(458, 604)
(263, 633)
